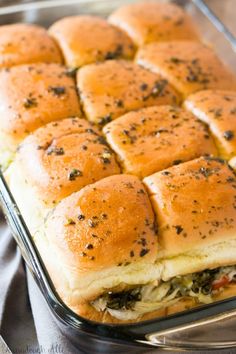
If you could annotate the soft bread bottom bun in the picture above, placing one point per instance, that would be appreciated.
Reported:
(180, 306)
(226, 293)
(86, 310)
(189, 303)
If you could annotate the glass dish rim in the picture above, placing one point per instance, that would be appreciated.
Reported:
(127, 332)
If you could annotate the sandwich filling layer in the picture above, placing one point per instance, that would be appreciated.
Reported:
(201, 287)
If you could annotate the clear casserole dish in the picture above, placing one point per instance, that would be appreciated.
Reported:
(194, 329)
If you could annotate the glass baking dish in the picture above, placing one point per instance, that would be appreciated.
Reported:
(206, 327)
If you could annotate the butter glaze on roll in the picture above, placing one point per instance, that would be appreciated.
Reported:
(88, 39)
(101, 238)
(56, 160)
(22, 43)
(110, 89)
(151, 21)
(189, 66)
(218, 110)
(154, 138)
(31, 96)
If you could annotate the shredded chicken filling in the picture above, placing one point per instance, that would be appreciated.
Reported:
(133, 303)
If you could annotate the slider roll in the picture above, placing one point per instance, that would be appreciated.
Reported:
(195, 206)
(22, 43)
(154, 138)
(152, 21)
(103, 239)
(110, 89)
(56, 160)
(218, 110)
(189, 66)
(89, 39)
(190, 262)
(196, 213)
(31, 96)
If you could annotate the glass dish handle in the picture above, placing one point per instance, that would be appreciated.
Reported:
(216, 332)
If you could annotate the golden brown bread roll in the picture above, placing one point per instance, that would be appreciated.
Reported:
(188, 66)
(88, 39)
(56, 160)
(101, 238)
(154, 138)
(196, 214)
(218, 110)
(151, 21)
(112, 88)
(22, 43)
(31, 96)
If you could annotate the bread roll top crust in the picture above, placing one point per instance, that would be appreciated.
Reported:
(150, 21)
(189, 66)
(22, 43)
(195, 205)
(62, 157)
(88, 39)
(110, 89)
(154, 138)
(107, 224)
(218, 110)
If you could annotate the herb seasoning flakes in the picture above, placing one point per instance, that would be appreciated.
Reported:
(74, 174)
(54, 150)
(57, 90)
(228, 135)
(30, 102)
